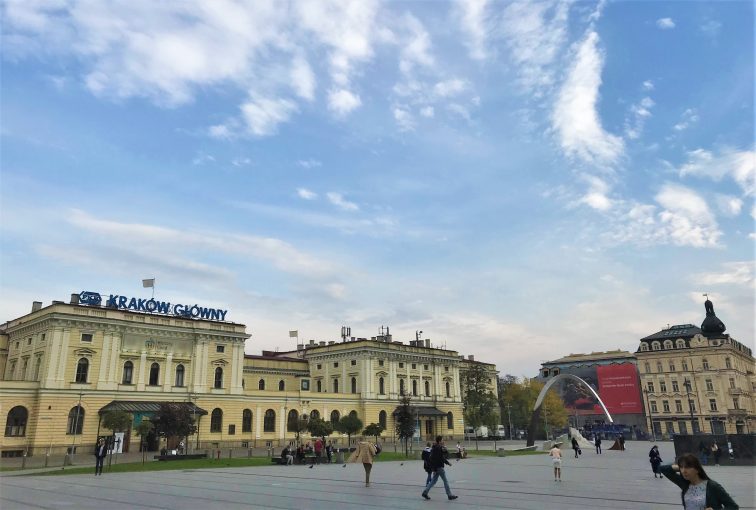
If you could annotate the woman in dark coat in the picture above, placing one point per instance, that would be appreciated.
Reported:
(576, 447)
(699, 492)
(655, 459)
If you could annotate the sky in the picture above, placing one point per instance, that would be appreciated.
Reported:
(516, 180)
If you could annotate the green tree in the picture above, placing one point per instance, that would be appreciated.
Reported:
(173, 420)
(297, 426)
(319, 427)
(374, 429)
(478, 399)
(521, 395)
(349, 425)
(143, 430)
(117, 421)
(405, 422)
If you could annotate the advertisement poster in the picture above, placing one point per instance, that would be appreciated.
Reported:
(617, 385)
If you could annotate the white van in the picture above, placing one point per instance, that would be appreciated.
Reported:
(501, 431)
(481, 431)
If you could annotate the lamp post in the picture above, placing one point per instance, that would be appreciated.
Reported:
(192, 397)
(686, 383)
(650, 415)
(509, 413)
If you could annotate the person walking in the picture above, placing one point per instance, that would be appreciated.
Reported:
(704, 451)
(437, 461)
(655, 459)
(622, 442)
(716, 452)
(426, 462)
(576, 447)
(329, 451)
(597, 442)
(364, 453)
(318, 450)
(556, 460)
(100, 452)
(699, 492)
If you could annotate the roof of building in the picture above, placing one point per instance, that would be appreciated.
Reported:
(676, 331)
(137, 406)
(273, 357)
(421, 411)
(594, 356)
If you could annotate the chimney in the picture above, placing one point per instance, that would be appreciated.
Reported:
(300, 347)
(331, 342)
(471, 357)
(322, 343)
(427, 343)
(312, 342)
(74, 299)
(36, 306)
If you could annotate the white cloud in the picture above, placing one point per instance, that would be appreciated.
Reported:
(427, 112)
(448, 88)
(733, 273)
(309, 163)
(263, 115)
(738, 165)
(202, 159)
(302, 78)
(472, 16)
(711, 28)
(338, 200)
(665, 23)
(648, 85)
(639, 113)
(689, 117)
(404, 119)
(729, 205)
(415, 50)
(220, 131)
(306, 194)
(575, 118)
(596, 197)
(342, 102)
(686, 217)
(241, 161)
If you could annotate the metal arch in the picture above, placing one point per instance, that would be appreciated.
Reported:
(559, 377)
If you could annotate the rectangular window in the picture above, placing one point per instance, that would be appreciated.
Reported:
(319, 366)
(713, 404)
(659, 367)
(401, 365)
(654, 409)
(705, 365)
(671, 366)
(446, 369)
(647, 367)
(380, 362)
(86, 337)
(735, 403)
(220, 348)
(678, 406)
(336, 364)
(231, 430)
(305, 385)
(354, 362)
(650, 386)
(692, 404)
(709, 385)
(670, 427)
(685, 366)
(28, 342)
(425, 367)
(663, 386)
(675, 386)
(732, 382)
(42, 338)
(414, 366)
(665, 406)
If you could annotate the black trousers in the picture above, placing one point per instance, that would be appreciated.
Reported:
(98, 465)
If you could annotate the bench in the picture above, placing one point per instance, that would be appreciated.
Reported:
(278, 460)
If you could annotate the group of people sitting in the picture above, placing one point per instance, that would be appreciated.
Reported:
(301, 452)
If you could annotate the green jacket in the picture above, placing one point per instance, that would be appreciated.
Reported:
(716, 497)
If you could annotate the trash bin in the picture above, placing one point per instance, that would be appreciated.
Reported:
(501, 452)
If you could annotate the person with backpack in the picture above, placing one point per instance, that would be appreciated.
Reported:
(426, 462)
(437, 460)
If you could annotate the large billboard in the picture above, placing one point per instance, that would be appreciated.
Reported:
(616, 384)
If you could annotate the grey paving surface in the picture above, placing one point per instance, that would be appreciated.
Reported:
(613, 480)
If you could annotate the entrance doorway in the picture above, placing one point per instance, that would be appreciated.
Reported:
(429, 430)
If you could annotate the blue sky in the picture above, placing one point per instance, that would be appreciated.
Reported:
(518, 180)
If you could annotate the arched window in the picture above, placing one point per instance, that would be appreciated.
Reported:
(291, 421)
(335, 385)
(353, 413)
(319, 385)
(680, 343)
(216, 420)
(15, 425)
(382, 419)
(401, 386)
(449, 420)
(448, 389)
(381, 387)
(414, 388)
(335, 417)
(128, 372)
(655, 345)
(644, 347)
(728, 363)
(246, 420)
(154, 374)
(180, 375)
(261, 384)
(427, 388)
(314, 415)
(82, 370)
(269, 421)
(218, 377)
(281, 385)
(354, 385)
(667, 344)
(75, 420)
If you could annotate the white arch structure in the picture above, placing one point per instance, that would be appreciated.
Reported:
(559, 377)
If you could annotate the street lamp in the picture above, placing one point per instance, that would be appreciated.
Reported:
(650, 415)
(509, 412)
(686, 383)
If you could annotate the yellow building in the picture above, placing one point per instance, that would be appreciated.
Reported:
(697, 379)
(62, 366)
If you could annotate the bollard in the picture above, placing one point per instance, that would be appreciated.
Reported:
(230, 452)
(218, 454)
(47, 458)
(249, 452)
(23, 461)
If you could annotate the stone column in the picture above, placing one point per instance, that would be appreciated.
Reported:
(168, 380)
(142, 375)
(282, 429)
(61, 375)
(114, 374)
(104, 363)
(50, 372)
(258, 421)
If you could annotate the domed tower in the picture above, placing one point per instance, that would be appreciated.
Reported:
(711, 326)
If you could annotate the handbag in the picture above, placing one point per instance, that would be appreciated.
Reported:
(580, 452)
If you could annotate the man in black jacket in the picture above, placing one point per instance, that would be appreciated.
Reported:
(101, 451)
(437, 459)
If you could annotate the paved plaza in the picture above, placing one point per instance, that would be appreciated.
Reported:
(616, 480)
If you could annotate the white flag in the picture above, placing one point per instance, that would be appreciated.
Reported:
(293, 334)
(148, 283)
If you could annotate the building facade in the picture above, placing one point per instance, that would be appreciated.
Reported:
(697, 379)
(64, 365)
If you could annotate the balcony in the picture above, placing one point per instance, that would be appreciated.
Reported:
(735, 391)
(737, 412)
